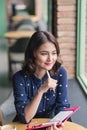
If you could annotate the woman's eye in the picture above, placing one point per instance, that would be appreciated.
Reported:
(43, 53)
(54, 53)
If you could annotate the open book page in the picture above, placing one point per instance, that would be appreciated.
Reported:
(61, 116)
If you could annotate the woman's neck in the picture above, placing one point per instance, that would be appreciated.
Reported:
(40, 74)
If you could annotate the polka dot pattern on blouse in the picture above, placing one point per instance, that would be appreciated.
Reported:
(25, 88)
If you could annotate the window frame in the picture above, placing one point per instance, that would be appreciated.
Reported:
(81, 38)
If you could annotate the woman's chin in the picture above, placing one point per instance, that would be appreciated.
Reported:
(48, 68)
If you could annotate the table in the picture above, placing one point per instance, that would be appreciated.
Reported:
(19, 18)
(14, 35)
(18, 34)
(67, 125)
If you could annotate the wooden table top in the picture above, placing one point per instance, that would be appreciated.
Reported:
(18, 18)
(67, 125)
(18, 34)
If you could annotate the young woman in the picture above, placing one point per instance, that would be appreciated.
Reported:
(40, 88)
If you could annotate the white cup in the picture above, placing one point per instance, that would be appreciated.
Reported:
(8, 127)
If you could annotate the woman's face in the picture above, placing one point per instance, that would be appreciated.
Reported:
(45, 56)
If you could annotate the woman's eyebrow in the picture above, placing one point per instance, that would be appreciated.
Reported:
(47, 51)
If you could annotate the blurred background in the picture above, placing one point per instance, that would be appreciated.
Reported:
(66, 20)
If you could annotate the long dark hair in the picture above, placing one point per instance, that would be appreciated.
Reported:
(37, 39)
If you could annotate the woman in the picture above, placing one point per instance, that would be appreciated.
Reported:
(40, 88)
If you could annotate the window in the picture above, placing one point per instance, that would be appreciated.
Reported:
(82, 44)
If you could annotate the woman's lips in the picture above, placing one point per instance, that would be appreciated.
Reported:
(48, 64)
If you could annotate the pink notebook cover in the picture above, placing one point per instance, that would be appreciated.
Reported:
(57, 119)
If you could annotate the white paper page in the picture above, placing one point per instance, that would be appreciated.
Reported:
(61, 116)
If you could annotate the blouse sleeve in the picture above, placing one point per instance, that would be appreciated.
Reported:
(20, 96)
(62, 100)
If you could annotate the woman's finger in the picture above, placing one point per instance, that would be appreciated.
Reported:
(50, 128)
(56, 128)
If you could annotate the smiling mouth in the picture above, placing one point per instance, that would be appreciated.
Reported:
(48, 64)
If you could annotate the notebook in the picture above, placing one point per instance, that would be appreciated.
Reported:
(61, 117)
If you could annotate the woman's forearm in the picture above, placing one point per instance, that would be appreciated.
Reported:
(31, 108)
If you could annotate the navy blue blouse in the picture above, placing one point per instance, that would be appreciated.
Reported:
(25, 87)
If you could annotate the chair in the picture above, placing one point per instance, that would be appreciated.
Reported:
(26, 27)
(1, 118)
(7, 110)
(16, 55)
(27, 22)
(41, 25)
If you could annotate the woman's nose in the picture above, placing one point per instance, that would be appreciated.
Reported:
(49, 57)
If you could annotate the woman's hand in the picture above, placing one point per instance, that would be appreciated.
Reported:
(53, 127)
(49, 84)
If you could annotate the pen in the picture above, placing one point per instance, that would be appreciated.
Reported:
(48, 74)
(50, 77)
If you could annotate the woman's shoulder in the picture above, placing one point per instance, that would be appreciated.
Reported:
(62, 70)
(18, 74)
